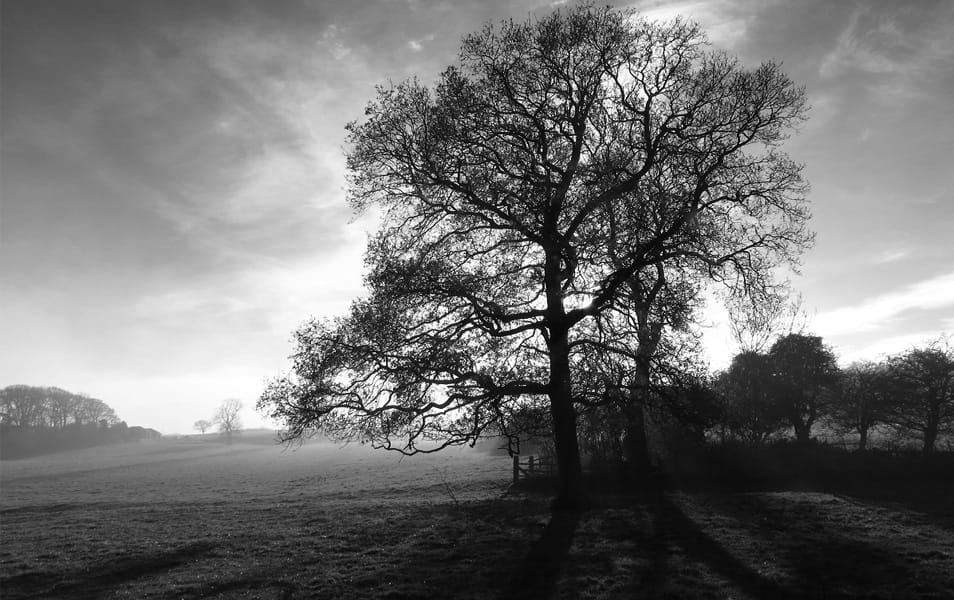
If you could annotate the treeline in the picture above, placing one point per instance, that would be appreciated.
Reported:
(788, 415)
(797, 388)
(41, 420)
(794, 395)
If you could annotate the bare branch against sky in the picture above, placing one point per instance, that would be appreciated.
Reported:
(173, 174)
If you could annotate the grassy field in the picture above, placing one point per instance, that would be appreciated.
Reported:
(182, 519)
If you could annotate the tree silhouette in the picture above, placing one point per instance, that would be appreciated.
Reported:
(750, 410)
(922, 384)
(227, 417)
(863, 400)
(495, 270)
(636, 357)
(51, 407)
(202, 425)
(38, 420)
(804, 374)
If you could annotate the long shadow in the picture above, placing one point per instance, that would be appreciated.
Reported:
(95, 582)
(828, 562)
(285, 590)
(846, 568)
(545, 561)
(935, 500)
(672, 526)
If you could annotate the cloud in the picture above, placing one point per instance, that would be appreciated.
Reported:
(900, 50)
(883, 347)
(418, 44)
(726, 22)
(891, 256)
(265, 297)
(876, 312)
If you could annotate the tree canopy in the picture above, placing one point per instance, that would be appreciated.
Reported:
(751, 412)
(526, 199)
(804, 375)
(921, 381)
(51, 407)
(864, 399)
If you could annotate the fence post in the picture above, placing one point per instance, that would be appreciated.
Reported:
(516, 469)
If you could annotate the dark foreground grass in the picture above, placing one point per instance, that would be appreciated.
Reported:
(251, 526)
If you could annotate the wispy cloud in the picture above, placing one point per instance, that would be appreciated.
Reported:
(891, 256)
(901, 51)
(724, 21)
(883, 347)
(418, 44)
(874, 313)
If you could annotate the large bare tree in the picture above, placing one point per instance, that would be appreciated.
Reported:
(498, 188)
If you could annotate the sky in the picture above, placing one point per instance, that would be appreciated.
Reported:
(172, 180)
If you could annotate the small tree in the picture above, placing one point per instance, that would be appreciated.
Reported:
(922, 381)
(804, 375)
(202, 425)
(863, 400)
(227, 417)
(750, 411)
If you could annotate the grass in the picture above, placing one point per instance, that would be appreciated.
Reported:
(178, 520)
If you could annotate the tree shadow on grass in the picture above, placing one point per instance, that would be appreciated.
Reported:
(541, 568)
(230, 589)
(95, 581)
(845, 568)
(827, 559)
(934, 500)
(672, 527)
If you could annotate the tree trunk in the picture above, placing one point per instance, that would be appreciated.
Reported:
(647, 336)
(636, 444)
(571, 493)
(930, 434)
(863, 437)
(803, 431)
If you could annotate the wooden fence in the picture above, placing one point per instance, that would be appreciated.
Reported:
(534, 467)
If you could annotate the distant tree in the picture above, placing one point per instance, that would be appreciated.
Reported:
(50, 407)
(227, 417)
(750, 411)
(202, 425)
(922, 381)
(22, 405)
(60, 407)
(92, 410)
(863, 400)
(493, 265)
(804, 375)
(39, 420)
